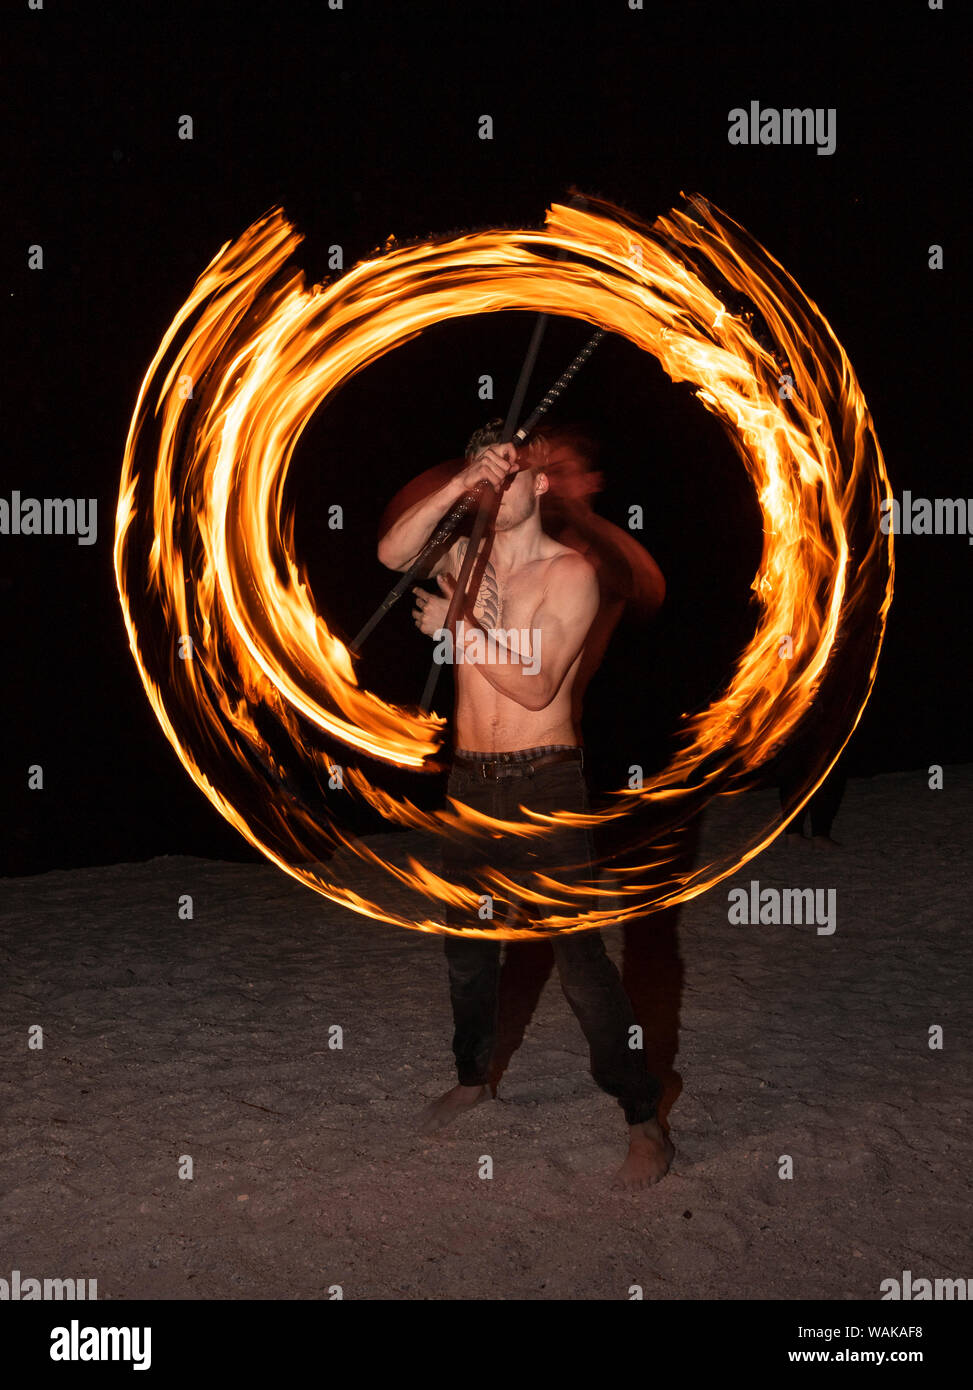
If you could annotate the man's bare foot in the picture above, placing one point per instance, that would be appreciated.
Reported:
(825, 842)
(650, 1152)
(443, 1111)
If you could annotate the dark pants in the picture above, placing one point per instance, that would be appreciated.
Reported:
(590, 981)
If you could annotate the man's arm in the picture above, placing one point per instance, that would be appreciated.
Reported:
(404, 539)
(558, 630)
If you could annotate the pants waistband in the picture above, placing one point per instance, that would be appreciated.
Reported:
(519, 762)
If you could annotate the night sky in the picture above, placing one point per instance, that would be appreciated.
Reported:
(361, 123)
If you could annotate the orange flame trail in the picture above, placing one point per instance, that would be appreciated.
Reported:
(237, 660)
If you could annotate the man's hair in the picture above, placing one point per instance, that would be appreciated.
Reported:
(487, 434)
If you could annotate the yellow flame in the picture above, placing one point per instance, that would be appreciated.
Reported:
(203, 543)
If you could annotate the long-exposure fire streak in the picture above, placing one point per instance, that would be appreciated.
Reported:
(225, 630)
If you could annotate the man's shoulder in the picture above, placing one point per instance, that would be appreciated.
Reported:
(567, 560)
(571, 569)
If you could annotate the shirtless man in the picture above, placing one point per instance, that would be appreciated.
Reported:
(517, 745)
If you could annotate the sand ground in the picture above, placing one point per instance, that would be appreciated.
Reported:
(210, 1038)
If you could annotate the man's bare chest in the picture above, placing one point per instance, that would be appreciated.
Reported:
(507, 600)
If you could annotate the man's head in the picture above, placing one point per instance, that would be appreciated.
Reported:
(480, 439)
(523, 490)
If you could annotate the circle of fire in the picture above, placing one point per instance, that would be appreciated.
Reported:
(236, 659)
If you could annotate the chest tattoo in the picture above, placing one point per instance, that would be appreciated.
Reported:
(489, 604)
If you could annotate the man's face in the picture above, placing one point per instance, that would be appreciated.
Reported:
(520, 499)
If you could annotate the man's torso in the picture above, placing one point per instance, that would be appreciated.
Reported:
(507, 603)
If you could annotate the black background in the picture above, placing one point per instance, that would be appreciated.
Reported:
(362, 123)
